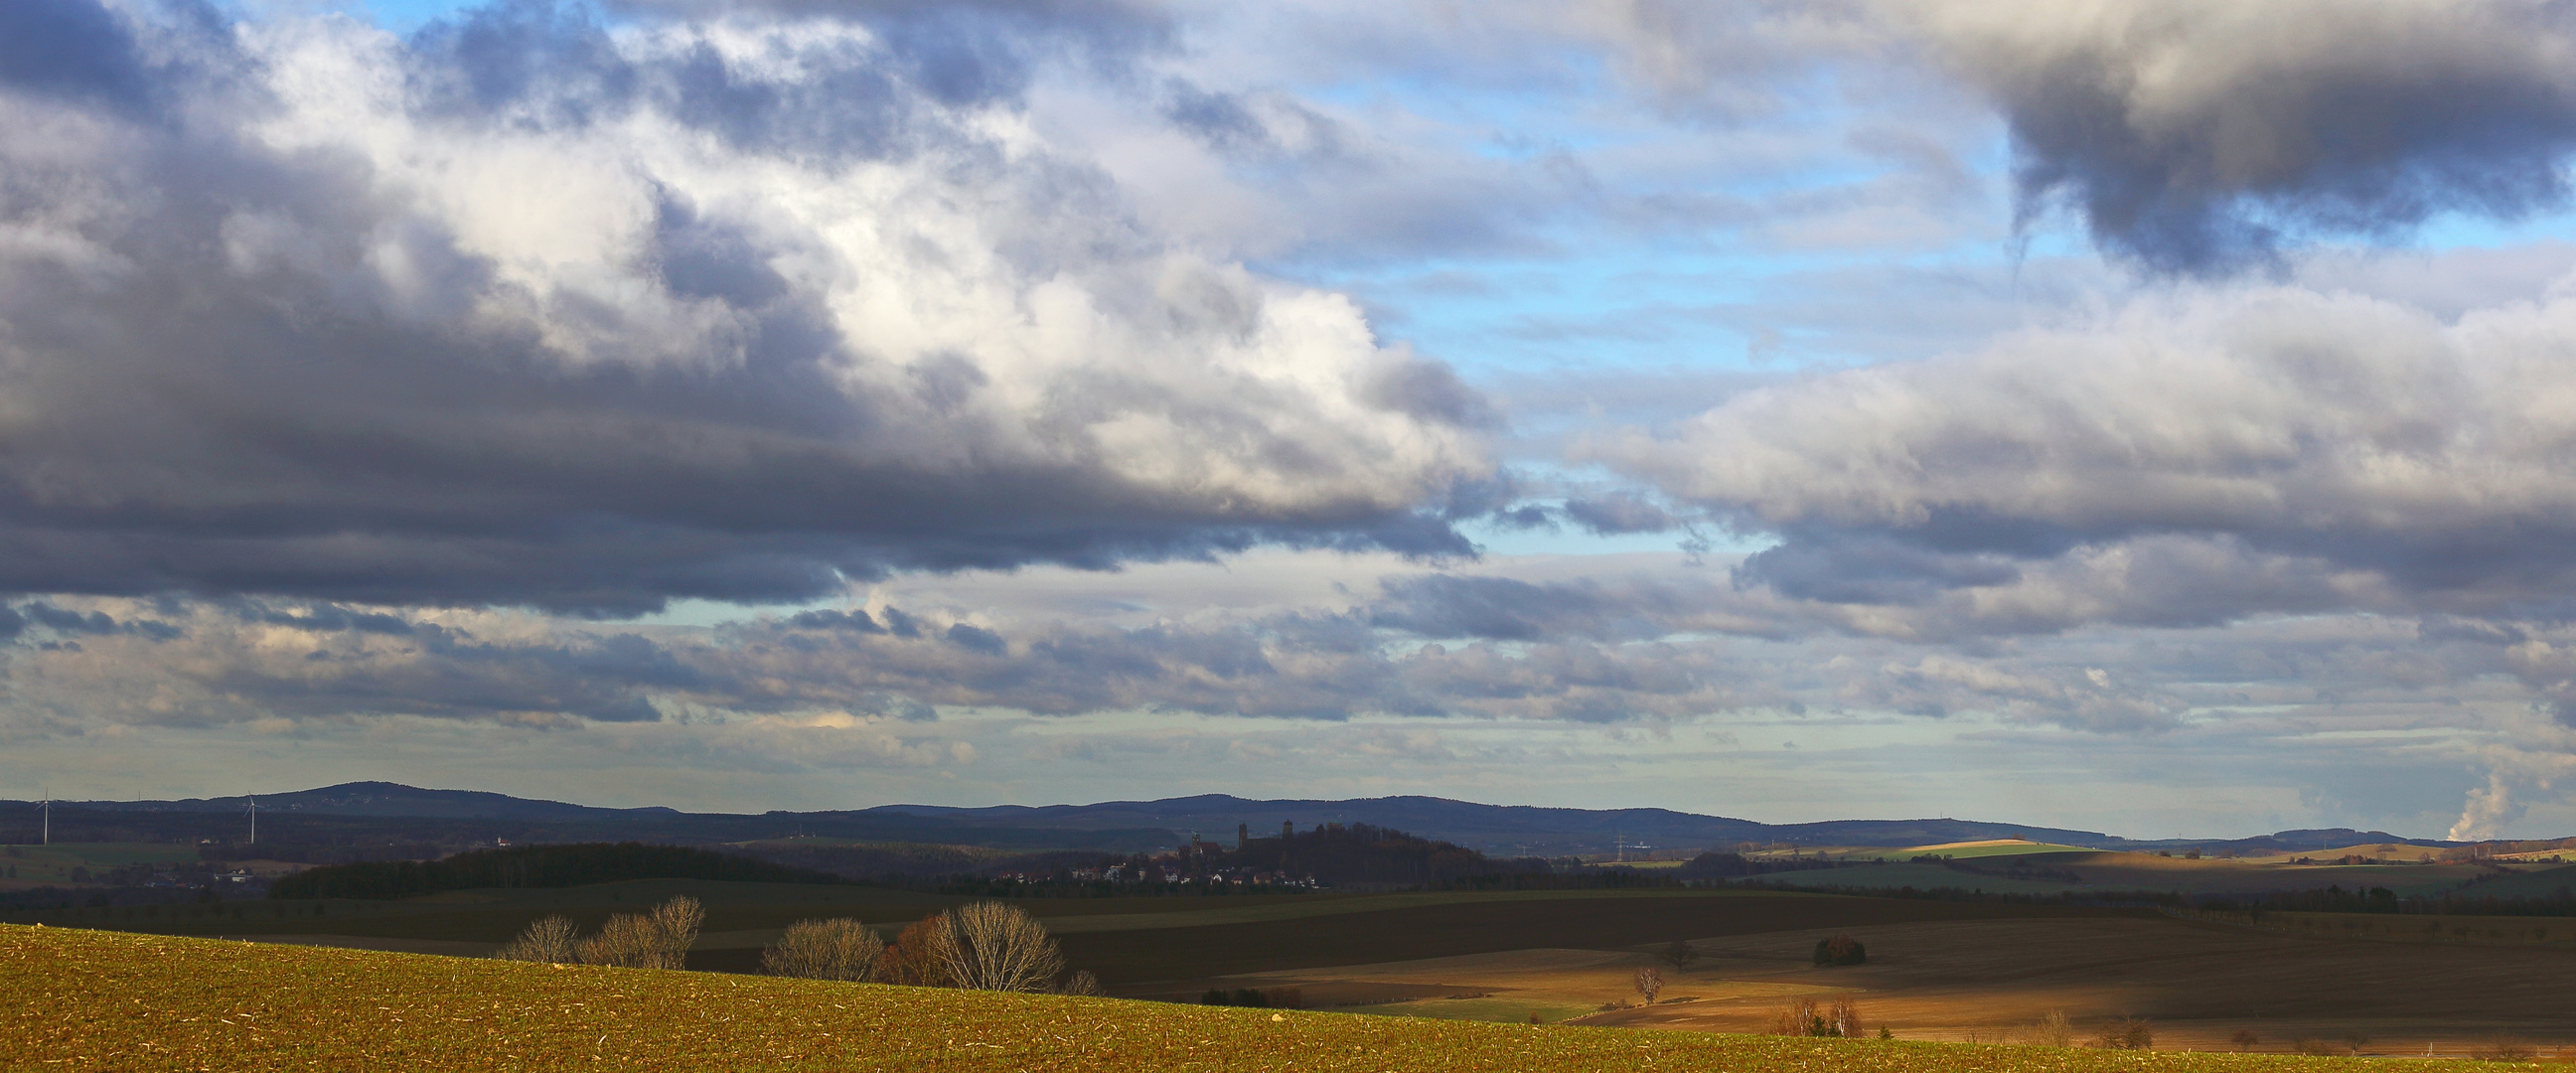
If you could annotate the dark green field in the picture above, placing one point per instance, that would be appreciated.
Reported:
(84, 1000)
(1135, 945)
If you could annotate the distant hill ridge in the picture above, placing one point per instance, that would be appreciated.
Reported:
(1503, 829)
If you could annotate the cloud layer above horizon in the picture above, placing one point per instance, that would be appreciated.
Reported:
(1789, 410)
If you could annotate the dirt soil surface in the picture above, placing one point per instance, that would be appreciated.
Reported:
(1162, 962)
(1988, 980)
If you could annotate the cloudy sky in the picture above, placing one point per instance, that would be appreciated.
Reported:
(2155, 416)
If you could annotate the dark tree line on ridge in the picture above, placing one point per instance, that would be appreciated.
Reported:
(535, 866)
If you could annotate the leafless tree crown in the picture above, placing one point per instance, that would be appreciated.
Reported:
(837, 949)
(550, 939)
(996, 947)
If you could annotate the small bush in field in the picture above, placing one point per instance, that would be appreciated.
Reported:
(838, 949)
(549, 939)
(1082, 982)
(1650, 983)
(2053, 1030)
(2503, 1048)
(2244, 1039)
(2304, 1045)
(1840, 950)
(2125, 1034)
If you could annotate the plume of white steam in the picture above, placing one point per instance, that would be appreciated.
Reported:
(2486, 812)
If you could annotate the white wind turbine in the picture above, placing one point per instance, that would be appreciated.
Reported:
(48, 805)
(253, 809)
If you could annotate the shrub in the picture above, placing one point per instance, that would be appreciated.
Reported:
(1650, 983)
(2053, 1030)
(2503, 1048)
(2125, 1034)
(2244, 1039)
(837, 949)
(1840, 950)
(1082, 983)
(549, 939)
(995, 947)
(2304, 1045)
(915, 959)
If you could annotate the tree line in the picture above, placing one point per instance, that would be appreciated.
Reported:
(574, 865)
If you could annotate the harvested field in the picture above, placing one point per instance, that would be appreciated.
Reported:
(81, 1000)
(1956, 980)
(1178, 961)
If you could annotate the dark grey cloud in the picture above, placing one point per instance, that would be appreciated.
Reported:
(858, 621)
(579, 365)
(1619, 512)
(2202, 135)
(75, 49)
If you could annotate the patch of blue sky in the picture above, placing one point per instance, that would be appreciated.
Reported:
(2455, 230)
(404, 16)
(1497, 539)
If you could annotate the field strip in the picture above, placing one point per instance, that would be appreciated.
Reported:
(1192, 918)
(444, 947)
(85, 1000)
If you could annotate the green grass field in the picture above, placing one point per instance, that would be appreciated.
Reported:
(87, 1000)
(32, 866)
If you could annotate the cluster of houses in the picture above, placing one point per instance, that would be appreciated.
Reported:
(1169, 874)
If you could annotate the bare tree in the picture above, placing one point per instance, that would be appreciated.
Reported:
(1842, 1019)
(1082, 983)
(676, 922)
(838, 949)
(626, 942)
(656, 939)
(918, 958)
(1799, 1017)
(549, 939)
(1806, 1017)
(1679, 955)
(1650, 983)
(2053, 1030)
(996, 947)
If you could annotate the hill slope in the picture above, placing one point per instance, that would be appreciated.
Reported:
(85, 1000)
(377, 812)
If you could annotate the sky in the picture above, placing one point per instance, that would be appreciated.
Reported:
(2145, 416)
